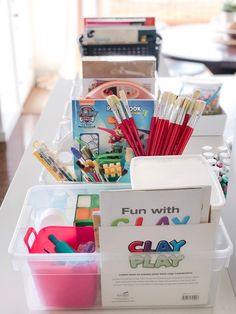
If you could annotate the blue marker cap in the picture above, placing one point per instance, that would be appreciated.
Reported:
(76, 153)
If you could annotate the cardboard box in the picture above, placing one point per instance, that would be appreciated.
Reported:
(119, 67)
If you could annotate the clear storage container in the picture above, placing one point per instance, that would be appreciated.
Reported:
(73, 281)
(163, 172)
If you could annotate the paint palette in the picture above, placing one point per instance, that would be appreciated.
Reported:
(86, 204)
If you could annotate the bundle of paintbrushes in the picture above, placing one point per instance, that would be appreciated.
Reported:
(100, 168)
(171, 127)
(126, 122)
(173, 123)
(49, 160)
(89, 167)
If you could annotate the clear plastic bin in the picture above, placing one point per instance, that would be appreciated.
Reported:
(176, 172)
(73, 281)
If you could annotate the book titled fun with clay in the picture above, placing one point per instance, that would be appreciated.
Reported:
(155, 207)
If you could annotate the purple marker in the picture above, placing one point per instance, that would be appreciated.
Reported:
(77, 154)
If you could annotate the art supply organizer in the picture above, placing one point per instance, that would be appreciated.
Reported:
(73, 281)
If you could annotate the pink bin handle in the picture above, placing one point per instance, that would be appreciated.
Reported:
(26, 237)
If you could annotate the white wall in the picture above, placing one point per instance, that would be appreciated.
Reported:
(20, 16)
(9, 97)
(54, 25)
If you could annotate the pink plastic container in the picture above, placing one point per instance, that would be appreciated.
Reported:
(68, 282)
(132, 89)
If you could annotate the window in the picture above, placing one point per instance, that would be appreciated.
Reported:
(168, 11)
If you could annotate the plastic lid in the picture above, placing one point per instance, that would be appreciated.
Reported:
(201, 81)
(224, 156)
(51, 217)
(208, 155)
(206, 148)
(163, 172)
(65, 158)
(222, 149)
(216, 170)
(226, 161)
(212, 161)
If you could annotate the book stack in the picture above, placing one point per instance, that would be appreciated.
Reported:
(120, 36)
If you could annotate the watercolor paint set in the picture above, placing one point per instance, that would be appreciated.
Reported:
(86, 205)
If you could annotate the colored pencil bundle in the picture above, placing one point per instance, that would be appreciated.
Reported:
(171, 127)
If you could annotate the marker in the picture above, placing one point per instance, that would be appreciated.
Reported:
(77, 154)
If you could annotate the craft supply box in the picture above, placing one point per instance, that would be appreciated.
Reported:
(177, 172)
(73, 281)
(119, 66)
(211, 125)
(184, 171)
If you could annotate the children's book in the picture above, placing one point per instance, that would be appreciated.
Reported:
(156, 246)
(156, 265)
(95, 126)
(155, 207)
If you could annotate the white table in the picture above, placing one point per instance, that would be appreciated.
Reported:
(12, 298)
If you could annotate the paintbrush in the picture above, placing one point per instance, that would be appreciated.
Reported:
(197, 112)
(112, 101)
